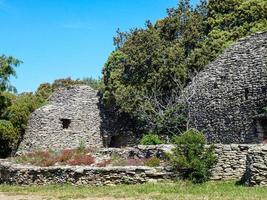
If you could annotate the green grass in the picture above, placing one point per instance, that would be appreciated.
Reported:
(157, 191)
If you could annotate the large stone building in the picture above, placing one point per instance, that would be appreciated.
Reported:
(71, 117)
(74, 116)
(225, 99)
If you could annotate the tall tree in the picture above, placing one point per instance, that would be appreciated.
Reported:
(174, 48)
(7, 69)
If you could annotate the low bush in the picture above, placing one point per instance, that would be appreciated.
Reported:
(76, 156)
(191, 158)
(151, 139)
(39, 158)
(152, 162)
(8, 137)
(81, 160)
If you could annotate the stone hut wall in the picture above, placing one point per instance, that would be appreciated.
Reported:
(72, 116)
(224, 97)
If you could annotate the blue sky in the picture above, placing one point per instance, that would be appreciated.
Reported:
(67, 38)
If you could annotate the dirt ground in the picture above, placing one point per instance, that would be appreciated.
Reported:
(8, 196)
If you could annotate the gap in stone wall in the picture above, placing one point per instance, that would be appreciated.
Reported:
(65, 123)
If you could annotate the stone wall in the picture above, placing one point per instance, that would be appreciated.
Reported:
(225, 96)
(232, 159)
(26, 175)
(72, 116)
(256, 173)
(235, 161)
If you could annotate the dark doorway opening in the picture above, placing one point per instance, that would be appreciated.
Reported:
(117, 141)
(262, 129)
(65, 123)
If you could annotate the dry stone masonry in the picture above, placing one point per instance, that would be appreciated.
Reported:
(224, 98)
(235, 162)
(80, 175)
(71, 117)
(256, 172)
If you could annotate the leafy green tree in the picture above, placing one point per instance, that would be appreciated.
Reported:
(8, 138)
(45, 90)
(171, 51)
(7, 69)
(8, 133)
(21, 108)
(228, 21)
(152, 59)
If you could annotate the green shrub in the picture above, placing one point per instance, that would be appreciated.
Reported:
(152, 162)
(8, 138)
(7, 131)
(151, 139)
(191, 158)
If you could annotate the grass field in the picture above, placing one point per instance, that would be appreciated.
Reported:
(157, 191)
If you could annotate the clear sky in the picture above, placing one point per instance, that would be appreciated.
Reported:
(67, 38)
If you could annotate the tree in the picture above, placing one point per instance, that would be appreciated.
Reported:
(180, 45)
(45, 90)
(8, 138)
(146, 60)
(7, 69)
(8, 133)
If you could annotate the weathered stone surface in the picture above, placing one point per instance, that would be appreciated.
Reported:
(76, 108)
(232, 158)
(80, 175)
(224, 97)
(256, 171)
(235, 161)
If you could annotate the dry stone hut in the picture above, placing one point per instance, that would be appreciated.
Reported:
(225, 99)
(71, 117)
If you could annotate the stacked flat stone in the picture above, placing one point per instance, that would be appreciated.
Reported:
(256, 173)
(80, 175)
(80, 106)
(235, 162)
(229, 92)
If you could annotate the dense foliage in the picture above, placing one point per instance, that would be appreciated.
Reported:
(143, 77)
(16, 109)
(151, 139)
(7, 69)
(190, 158)
(8, 132)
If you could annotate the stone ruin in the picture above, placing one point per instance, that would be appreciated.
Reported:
(226, 98)
(246, 162)
(71, 117)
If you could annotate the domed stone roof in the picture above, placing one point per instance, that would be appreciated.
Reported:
(224, 98)
(72, 116)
